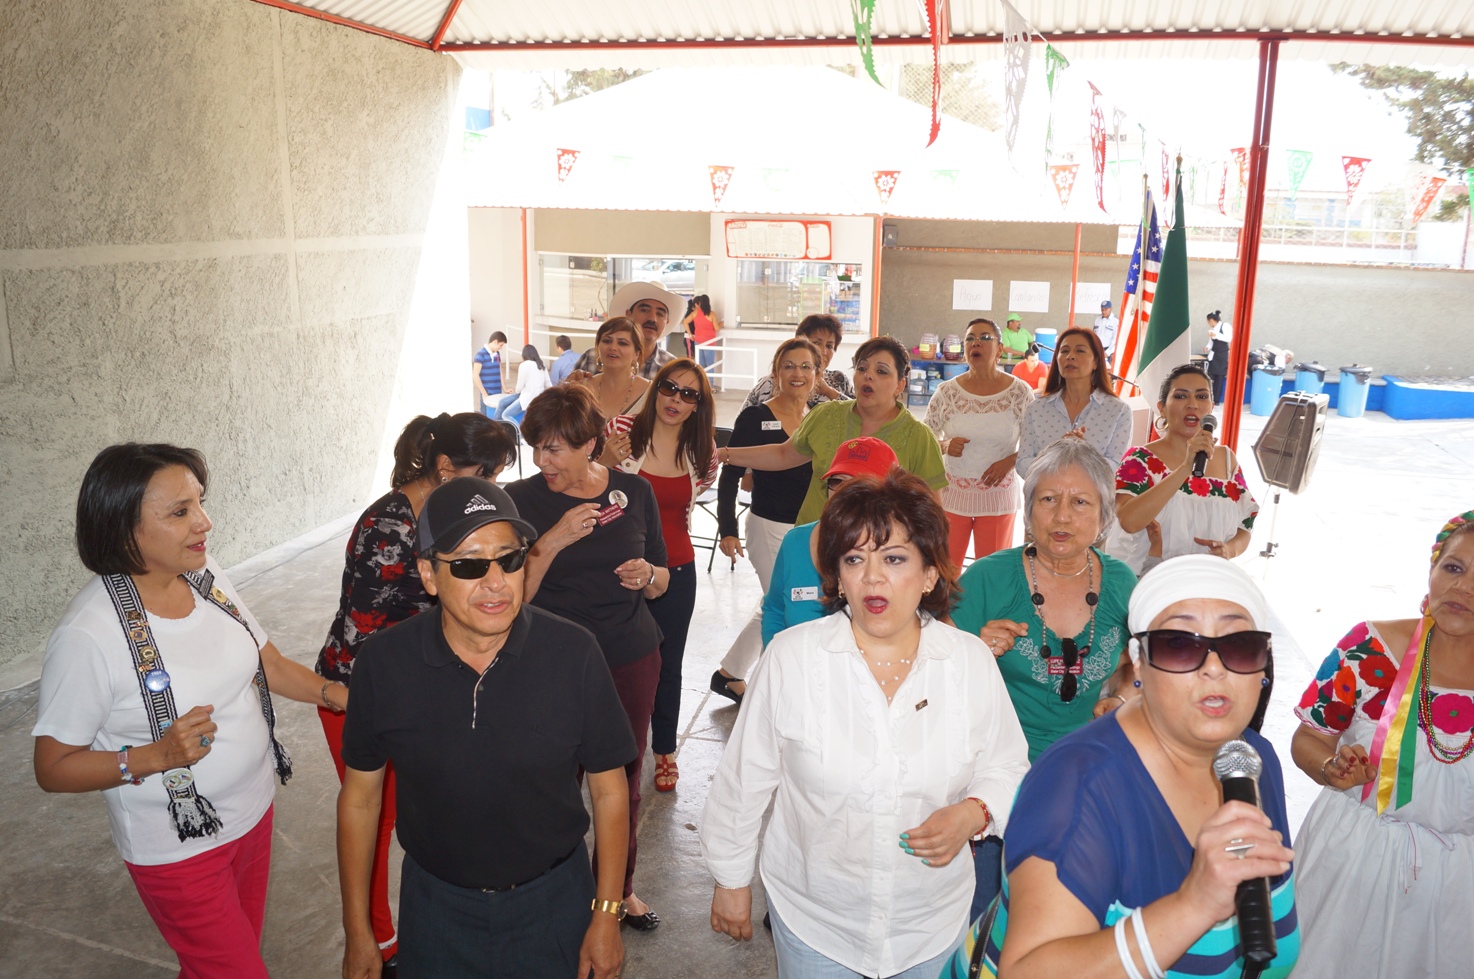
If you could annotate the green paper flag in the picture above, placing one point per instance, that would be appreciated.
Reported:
(1299, 165)
(864, 14)
(1054, 63)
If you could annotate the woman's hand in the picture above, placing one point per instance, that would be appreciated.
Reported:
(602, 950)
(731, 912)
(186, 742)
(1001, 634)
(732, 548)
(999, 471)
(955, 446)
(938, 840)
(1217, 548)
(361, 957)
(575, 524)
(616, 450)
(1154, 539)
(1108, 703)
(635, 573)
(1078, 432)
(1216, 873)
(1348, 768)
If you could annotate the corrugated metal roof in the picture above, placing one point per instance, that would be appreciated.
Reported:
(594, 33)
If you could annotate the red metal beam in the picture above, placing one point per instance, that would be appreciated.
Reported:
(298, 8)
(1243, 306)
(875, 277)
(1074, 279)
(674, 44)
(450, 15)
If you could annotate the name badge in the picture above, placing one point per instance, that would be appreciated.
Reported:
(773, 426)
(809, 594)
(609, 514)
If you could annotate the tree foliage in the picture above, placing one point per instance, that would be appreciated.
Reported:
(564, 86)
(1439, 110)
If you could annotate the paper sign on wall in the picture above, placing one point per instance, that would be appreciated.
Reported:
(1028, 297)
(972, 294)
(1089, 296)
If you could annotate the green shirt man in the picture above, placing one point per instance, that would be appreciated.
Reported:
(1015, 338)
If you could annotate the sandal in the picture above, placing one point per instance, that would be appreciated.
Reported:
(666, 773)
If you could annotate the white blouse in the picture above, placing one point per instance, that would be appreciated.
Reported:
(1107, 421)
(992, 425)
(852, 773)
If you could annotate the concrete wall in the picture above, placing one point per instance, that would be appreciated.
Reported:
(226, 227)
(1404, 321)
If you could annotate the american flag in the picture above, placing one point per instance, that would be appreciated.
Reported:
(1136, 301)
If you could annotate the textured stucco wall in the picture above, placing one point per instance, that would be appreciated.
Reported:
(222, 226)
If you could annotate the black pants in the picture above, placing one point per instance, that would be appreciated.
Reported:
(529, 932)
(1219, 382)
(672, 613)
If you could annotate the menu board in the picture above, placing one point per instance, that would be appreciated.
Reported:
(779, 239)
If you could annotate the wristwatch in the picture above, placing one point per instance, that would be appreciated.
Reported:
(652, 577)
(615, 908)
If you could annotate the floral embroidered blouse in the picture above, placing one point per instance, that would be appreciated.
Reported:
(381, 583)
(1213, 509)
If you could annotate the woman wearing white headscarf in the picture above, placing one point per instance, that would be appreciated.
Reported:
(1119, 847)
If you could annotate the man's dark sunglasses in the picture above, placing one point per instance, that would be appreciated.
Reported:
(1069, 684)
(835, 482)
(670, 389)
(1174, 651)
(475, 568)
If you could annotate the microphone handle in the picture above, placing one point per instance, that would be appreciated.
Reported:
(1256, 921)
(1200, 463)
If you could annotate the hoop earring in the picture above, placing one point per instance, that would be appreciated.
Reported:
(1159, 423)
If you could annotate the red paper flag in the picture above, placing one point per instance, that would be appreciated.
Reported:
(1097, 144)
(721, 179)
(1431, 188)
(885, 184)
(1064, 181)
(934, 27)
(1355, 167)
(1166, 174)
(566, 160)
(1223, 192)
(1241, 158)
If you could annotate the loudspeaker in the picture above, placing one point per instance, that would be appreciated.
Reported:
(1290, 444)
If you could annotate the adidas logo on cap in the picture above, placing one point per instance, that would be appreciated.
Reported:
(479, 502)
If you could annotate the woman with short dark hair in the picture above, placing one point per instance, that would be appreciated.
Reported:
(154, 660)
(882, 368)
(1078, 400)
(877, 720)
(600, 558)
(382, 587)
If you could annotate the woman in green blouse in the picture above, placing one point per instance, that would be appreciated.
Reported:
(881, 371)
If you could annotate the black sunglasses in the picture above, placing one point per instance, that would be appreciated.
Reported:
(670, 389)
(1069, 684)
(835, 482)
(475, 568)
(1174, 651)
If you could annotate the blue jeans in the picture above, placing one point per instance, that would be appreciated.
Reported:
(530, 932)
(708, 357)
(987, 866)
(797, 961)
(501, 406)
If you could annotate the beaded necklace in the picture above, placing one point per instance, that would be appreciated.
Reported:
(1068, 685)
(1446, 755)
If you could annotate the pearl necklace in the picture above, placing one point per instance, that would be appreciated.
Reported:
(899, 661)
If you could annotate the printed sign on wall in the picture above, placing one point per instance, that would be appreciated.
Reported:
(1089, 296)
(1028, 297)
(972, 294)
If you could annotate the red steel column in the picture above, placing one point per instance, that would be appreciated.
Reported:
(1074, 279)
(1243, 304)
(875, 280)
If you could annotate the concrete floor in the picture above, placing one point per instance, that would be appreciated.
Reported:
(1355, 544)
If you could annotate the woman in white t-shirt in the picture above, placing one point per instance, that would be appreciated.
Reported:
(978, 417)
(532, 380)
(154, 691)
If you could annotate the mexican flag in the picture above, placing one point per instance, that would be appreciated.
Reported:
(1165, 344)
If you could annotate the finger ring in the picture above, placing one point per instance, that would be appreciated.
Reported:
(1238, 848)
(204, 741)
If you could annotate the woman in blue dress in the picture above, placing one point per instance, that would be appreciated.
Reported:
(1121, 857)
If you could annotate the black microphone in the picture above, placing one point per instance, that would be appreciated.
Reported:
(1200, 463)
(1237, 766)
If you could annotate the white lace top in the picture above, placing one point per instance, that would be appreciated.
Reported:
(992, 425)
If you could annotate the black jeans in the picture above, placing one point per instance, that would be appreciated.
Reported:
(1220, 381)
(672, 613)
(529, 932)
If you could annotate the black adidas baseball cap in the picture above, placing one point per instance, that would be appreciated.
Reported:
(455, 508)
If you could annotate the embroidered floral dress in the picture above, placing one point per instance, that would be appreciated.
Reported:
(381, 583)
(1390, 895)
(1214, 509)
(992, 425)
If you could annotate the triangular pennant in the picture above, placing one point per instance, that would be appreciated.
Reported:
(885, 184)
(721, 179)
(566, 160)
(1355, 168)
(1063, 178)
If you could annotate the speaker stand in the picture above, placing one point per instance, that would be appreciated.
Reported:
(1273, 519)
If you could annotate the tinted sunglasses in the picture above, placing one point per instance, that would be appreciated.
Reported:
(475, 568)
(1069, 684)
(670, 389)
(835, 482)
(1174, 651)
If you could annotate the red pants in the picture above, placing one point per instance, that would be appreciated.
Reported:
(210, 907)
(988, 534)
(379, 913)
(635, 683)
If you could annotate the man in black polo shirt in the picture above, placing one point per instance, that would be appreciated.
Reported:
(488, 708)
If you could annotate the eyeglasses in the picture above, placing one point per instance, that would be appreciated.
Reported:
(980, 338)
(670, 389)
(475, 568)
(835, 482)
(1069, 685)
(1174, 651)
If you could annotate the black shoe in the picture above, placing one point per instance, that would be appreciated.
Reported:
(391, 968)
(721, 685)
(768, 920)
(649, 921)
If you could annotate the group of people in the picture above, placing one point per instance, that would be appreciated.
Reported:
(1006, 769)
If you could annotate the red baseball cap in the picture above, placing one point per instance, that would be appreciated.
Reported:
(862, 457)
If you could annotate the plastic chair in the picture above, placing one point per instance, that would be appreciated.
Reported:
(516, 440)
(707, 501)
